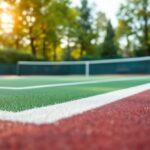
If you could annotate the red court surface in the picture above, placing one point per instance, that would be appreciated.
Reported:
(122, 125)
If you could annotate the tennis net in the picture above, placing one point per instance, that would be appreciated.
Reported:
(139, 65)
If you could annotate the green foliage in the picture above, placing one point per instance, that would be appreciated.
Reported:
(109, 48)
(89, 57)
(85, 30)
(12, 56)
(38, 26)
(54, 30)
(134, 24)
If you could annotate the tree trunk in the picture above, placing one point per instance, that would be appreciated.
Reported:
(146, 36)
(32, 39)
(68, 50)
(146, 30)
(33, 48)
(17, 43)
(44, 48)
(54, 52)
(82, 49)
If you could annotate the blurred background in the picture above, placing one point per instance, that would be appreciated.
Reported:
(71, 30)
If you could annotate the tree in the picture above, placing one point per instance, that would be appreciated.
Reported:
(135, 15)
(101, 25)
(85, 30)
(26, 18)
(109, 48)
(100, 29)
(70, 32)
(40, 22)
(40, 28)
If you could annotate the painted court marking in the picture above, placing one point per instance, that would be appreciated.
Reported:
(53, 113)
(70, 84)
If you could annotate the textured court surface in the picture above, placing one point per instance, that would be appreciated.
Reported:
(123, 124)
(120, 125)
(18, 100)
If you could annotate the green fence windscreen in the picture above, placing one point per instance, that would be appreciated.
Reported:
(51, 70)
(7, 69)
(121, 66)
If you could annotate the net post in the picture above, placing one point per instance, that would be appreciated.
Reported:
(87, 69)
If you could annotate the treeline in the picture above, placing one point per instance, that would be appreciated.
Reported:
(12, 56)
(54, 30)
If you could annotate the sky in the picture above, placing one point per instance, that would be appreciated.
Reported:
(109, 7)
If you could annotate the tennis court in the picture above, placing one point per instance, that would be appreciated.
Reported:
(73, 109)
(24, 93)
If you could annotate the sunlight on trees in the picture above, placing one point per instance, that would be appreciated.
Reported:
(54, 30)
(6, 19)
(7, 22)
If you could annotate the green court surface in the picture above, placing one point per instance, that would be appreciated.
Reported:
(18, 100)
(32, 80)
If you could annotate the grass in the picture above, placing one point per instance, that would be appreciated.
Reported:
(27, 99)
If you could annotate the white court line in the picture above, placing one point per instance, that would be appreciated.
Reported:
(71, 84)
(53, 113)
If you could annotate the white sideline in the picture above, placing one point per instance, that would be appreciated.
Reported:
(51, 114)
(71, 84)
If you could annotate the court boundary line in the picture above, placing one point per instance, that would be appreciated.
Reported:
(53, 113)
(70, 84)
